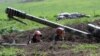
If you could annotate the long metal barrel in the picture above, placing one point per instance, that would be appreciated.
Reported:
(17, 13)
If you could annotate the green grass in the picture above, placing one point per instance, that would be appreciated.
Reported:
(49, 8)
(10, 51)
(90, 49)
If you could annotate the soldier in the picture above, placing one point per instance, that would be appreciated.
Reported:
(59, 34)
(36, 37)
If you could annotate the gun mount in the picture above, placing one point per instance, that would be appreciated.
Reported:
(14, 12)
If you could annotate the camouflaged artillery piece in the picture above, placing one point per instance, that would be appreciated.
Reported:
(11, 12)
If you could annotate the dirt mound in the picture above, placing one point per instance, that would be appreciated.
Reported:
(23, 37)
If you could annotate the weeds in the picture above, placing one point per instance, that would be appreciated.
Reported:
(37, 53)
(88, 49)
(10, 51)
(64, 46)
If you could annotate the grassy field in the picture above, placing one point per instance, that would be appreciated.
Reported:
(48, 8)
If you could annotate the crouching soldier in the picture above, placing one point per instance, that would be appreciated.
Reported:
(36, 37)
(59, 34)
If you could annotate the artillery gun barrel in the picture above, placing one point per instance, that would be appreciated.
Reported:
(21, 14)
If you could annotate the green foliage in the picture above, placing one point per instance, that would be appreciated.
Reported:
(91, 49)
(86, 47)
(10, 51)
(8, 30)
